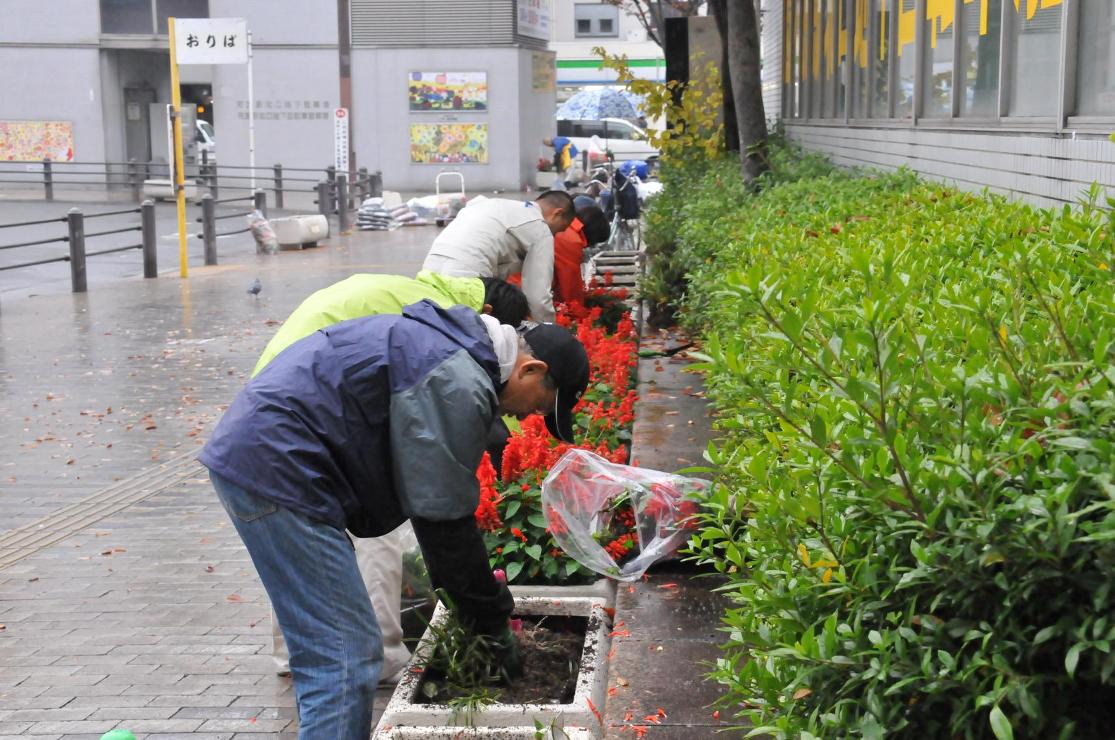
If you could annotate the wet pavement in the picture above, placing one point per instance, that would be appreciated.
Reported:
(667, 624)
(126, 598)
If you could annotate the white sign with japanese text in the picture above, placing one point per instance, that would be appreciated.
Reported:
(211, 40)
(340, 139)
(534, 19)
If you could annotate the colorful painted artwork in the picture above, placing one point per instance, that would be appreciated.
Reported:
(448, 91)
(34, 141)
(543, 72)
(449, 143)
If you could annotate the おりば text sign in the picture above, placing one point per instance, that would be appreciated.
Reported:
(211, 41)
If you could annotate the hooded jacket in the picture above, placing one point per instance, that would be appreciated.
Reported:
(367, 422)
(369, 295)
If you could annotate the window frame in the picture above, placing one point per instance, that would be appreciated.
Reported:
(600, 10)
(807, 107)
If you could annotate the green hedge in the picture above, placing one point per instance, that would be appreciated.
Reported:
(917, 513)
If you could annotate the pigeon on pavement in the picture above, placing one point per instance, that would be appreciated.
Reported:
(255, 287)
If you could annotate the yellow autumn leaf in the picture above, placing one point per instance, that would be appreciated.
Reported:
(826, 564)
(804, 555)
(1003, 334)
(827, 575)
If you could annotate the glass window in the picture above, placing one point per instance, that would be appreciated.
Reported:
(179, 9)
(879, 57)
(591, 17)
(1037, 67)
(126, 16)
(798, 71)
(907, 59)
(1096, 60)
(980, 27)
(787, 58)
(937, 80)
(840, 77)
(861, 43)
(817, 60)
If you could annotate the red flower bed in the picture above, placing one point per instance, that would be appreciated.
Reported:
(510, 510)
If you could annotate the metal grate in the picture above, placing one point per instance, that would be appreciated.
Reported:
(421, 23)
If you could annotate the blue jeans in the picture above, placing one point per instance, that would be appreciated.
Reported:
(309, 571)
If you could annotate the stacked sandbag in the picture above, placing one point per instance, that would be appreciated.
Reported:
(404, 216)
(374, 216)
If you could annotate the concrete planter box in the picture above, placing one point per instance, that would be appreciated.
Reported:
(545, 180)
(164, 190)
(404, 718)
(300, 231)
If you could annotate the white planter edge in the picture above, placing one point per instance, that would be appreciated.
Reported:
(403, 718)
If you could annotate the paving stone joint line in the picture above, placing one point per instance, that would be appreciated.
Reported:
(30, 538)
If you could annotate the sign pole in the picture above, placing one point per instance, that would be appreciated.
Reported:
(179, 164)
(251, 119)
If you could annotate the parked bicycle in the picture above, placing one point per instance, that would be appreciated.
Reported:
(616, 187)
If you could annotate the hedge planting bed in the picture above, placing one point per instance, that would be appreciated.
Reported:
(916, 507)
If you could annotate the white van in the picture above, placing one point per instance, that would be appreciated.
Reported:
(624, 139)
(206, 141)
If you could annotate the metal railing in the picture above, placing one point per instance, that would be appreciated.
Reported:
(76, 237)
(132, 175)
(209, 219)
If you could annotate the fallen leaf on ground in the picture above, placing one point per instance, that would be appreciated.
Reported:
(235, 598)
(209, 569)
(802, 693)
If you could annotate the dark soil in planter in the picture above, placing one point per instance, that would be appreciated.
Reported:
(551, 648)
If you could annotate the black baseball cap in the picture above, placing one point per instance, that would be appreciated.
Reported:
(567, 361)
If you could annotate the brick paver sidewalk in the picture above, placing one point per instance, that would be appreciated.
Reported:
(126, 598)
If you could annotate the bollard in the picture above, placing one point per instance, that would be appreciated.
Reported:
(75, 222)
(331, 177)
(323, 199)
(134, 181)
(377, 184)
(210, 177)
(259, 202)
(48, 180)
(147, 222)
(278, 186)
(362, 179)
(342, 203)
(209, 228)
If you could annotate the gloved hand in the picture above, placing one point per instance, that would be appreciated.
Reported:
(506, 660)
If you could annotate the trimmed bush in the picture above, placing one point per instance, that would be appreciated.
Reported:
(917, 508)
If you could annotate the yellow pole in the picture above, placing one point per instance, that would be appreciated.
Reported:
(179, 165)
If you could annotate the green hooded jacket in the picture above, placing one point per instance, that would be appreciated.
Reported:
(369, 294)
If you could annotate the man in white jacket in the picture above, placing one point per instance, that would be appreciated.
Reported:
(495, 237)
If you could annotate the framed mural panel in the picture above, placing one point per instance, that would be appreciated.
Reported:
(439, 92)
(36, 141)
(449, 143)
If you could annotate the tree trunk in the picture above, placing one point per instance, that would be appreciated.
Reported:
(731, 128)
(747, 87)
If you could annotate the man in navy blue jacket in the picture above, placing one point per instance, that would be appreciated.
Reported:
(361, 426)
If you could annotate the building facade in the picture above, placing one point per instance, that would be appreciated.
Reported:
(1016, 96)
(580, 25)
(465, 85)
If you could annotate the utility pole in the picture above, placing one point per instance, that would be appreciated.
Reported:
(344, 58)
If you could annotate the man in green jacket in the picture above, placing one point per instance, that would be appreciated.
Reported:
(366, 294)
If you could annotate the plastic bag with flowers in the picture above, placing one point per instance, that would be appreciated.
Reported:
(617, 519)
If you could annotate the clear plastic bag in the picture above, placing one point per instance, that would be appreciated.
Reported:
(617, 520)
(266, 242)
